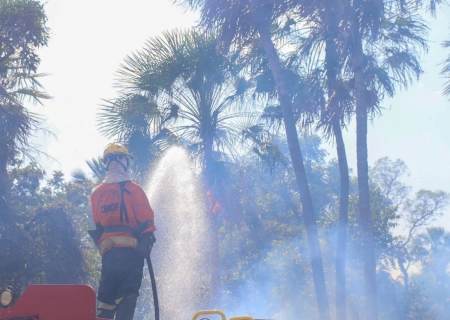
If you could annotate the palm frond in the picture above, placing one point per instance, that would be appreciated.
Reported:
(98, 169)
(445, 72)
(79, 176)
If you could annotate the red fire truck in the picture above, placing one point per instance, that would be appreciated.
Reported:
(64, 302)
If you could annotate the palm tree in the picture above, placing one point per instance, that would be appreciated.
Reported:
(370, 75)
(240, 23)
(324, 45)
(136, 120)
(383, 39)
(98, 173)
(177, 84)
(320, 21)
(261, 141)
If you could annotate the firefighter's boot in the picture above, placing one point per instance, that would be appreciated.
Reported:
(106, 314)
(106, 311)
(127, 305)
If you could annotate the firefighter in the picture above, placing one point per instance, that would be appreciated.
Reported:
(124, 235)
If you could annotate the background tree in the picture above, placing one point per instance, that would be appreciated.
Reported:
(267, 237)
(44, 239)
(432, 247)
(22, 33)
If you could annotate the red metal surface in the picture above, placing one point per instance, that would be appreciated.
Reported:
(54, 302)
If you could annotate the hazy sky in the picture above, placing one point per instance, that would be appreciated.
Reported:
(90, 38)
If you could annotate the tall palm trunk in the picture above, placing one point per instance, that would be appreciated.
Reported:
(299, 168)
(341, 243)
(3, 174)
(332, 67)
(208, 158)
(208, 165)
(207, 138)
(365, 215)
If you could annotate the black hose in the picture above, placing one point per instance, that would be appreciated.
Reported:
(155, 293)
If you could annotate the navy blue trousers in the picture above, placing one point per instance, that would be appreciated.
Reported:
(122, 272)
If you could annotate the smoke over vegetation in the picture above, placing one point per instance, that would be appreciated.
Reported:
(263, 264)
(227, 122)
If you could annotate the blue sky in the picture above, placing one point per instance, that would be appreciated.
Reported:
(414, 125)
(89, 40)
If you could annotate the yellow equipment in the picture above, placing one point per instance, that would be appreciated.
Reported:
(206, 312)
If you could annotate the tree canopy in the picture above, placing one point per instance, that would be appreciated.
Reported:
(23, 31)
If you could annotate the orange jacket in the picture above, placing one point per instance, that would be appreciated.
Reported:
(105, 204)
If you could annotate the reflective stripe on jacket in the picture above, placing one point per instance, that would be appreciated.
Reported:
(105, 203)
(116, 241)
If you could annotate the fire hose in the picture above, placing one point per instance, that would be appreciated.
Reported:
(153, 281)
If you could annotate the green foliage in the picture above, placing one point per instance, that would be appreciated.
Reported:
(42, 246)
(25, 187)
(263, 247)
(432, 249)
(43, 238)
(263, 242)
(23, 30)
(260, 240)
(415, 305)
(22, 33)
(264, 254)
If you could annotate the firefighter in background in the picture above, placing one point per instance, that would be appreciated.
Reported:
(124, 236)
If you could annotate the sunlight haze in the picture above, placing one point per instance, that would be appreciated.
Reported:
(90, 39)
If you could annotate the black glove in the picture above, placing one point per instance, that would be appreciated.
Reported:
(97, 233)
(145, 244)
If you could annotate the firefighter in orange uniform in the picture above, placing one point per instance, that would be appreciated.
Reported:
(124, 235)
